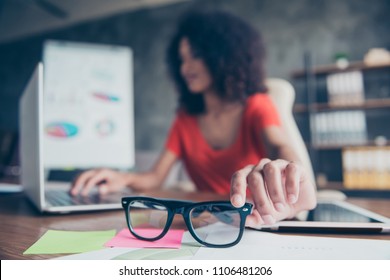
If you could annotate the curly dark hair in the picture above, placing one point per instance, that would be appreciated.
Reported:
(231, 49)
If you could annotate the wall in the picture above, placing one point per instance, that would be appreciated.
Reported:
(289, 28)
(38, 17)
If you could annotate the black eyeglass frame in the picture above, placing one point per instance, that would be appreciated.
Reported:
(184, 208)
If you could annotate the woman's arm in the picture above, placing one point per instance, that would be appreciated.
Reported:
(277, 144)
(155, 177)
(280, 186)
(112, 181)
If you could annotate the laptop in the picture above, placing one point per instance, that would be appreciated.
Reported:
(47, 196)
(332, 216)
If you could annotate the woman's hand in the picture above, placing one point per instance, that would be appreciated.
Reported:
(110, 181)
(107, 180)
(280, 189)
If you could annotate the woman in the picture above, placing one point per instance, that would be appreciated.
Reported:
(226, 131)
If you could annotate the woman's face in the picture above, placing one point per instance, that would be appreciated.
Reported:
(193, 69)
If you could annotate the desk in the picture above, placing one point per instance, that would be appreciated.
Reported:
(21, 224)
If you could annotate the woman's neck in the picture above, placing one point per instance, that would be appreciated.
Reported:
(215, 105)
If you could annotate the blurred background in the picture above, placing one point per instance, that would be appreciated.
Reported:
(297, 34)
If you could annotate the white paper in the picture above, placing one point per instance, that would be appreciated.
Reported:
(270, 246)
(257, 245)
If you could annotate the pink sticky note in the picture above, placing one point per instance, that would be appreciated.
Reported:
(125, 239)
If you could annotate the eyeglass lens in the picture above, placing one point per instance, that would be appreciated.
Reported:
(147, 215)
(216, 224)
(213, 224)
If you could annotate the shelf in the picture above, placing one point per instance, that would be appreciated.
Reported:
(368, 104)
(324, 109)
(336, 146)
(300, 108)
(371, 143)
(333, 68)
(377, 193)
(332, 186)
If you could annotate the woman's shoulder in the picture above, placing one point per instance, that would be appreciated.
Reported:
(261, 107)
(258, 100)
(183, 117)
(182, 113)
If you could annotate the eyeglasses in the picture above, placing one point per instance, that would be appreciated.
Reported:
(215, 224)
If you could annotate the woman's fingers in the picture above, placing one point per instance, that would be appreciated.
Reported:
(272, 172)
(104, 189)
(274, 186)
(89, 179)
(263, 204)
(294, 174)
(282, 180)
(239, 185)
(99, 177)
(254, 220)
(80, 181)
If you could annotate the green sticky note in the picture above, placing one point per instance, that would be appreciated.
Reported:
(69, 242)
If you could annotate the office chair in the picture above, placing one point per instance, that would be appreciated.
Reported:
(282, 94)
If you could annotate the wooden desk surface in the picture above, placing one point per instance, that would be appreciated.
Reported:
(21, 224)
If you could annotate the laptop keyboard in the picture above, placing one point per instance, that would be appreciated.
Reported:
(63, 198)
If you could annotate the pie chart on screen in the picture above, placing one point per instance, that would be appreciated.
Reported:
(106, 97)
(105, 128)
(61, 129)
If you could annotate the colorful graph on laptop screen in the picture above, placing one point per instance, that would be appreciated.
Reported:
(106, 97)
(61, 130)
(88, 105)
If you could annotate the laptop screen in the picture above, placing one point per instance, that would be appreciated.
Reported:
(88, 106)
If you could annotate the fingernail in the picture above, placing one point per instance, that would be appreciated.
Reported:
(268, 219)
(103, 190)
(279, 206)
(237, 200)
(292, 198)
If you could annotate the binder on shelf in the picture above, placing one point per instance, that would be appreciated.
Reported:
(345, 88)
(339, 128)
(366, 167)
